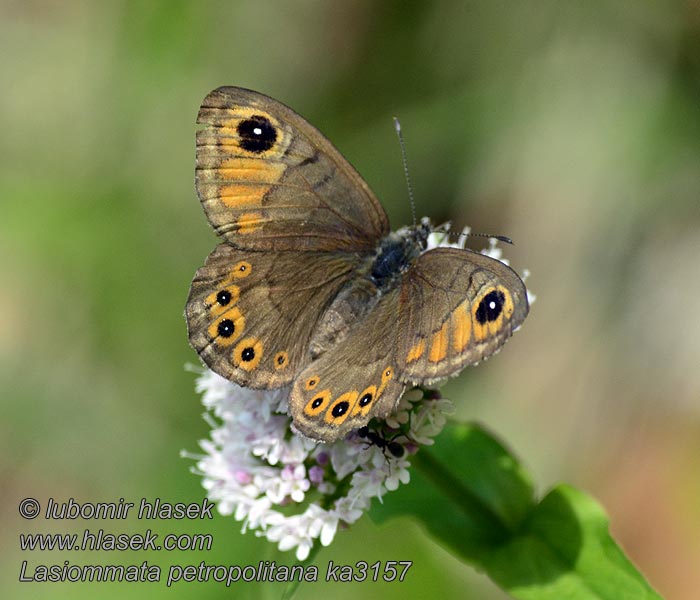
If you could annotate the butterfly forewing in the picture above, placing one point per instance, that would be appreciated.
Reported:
(268, 180)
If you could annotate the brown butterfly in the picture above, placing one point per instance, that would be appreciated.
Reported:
(310, 287)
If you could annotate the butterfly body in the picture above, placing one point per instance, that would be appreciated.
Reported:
(376, 274)
(311, 288)
(396, 252)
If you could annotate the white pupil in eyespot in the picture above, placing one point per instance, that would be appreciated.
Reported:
(257, 131)
(492, 305)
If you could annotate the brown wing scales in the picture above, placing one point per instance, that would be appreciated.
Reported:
(457, 307)
(268, 180)
(254, 327)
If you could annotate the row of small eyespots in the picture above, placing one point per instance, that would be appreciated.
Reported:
(347, 403)
(229, 294)
(248, 352)
(222, 303)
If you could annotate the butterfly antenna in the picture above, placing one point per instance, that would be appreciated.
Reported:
(397, 126)
(501, 238)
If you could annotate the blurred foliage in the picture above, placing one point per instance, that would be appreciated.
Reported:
(573, 128)
(472, 495)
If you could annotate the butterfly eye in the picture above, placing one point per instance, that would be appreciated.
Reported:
(490, 307)
(228, 328)
(256, 134)
(248, 353)
(340, 409)
(318, 403)
(217, 302)
(240, 270)
(311, 382)
(365, 402)
(281, 360)
(489, 312)
(223, 297)
(387, 376)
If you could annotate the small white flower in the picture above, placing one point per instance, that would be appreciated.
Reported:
(400, 475)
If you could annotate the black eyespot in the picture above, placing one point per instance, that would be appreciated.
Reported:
(223, 297)
(366, 399)
(226, 328)
(257, 134)
(280, 359)
(490, 307)
(317, 402)
(248, 354)
(340, 409)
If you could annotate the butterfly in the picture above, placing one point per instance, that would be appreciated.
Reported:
(310, 288)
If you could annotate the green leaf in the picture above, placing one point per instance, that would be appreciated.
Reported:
(474, 497)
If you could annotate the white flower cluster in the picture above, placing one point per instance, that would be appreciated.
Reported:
(292, 490)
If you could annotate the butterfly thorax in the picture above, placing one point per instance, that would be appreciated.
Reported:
(395, 254)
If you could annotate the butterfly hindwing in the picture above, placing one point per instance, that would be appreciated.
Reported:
(342, 391)
(269, 180)
(353, 381)
(250, 315)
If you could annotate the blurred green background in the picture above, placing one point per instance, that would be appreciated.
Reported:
(573, 128)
